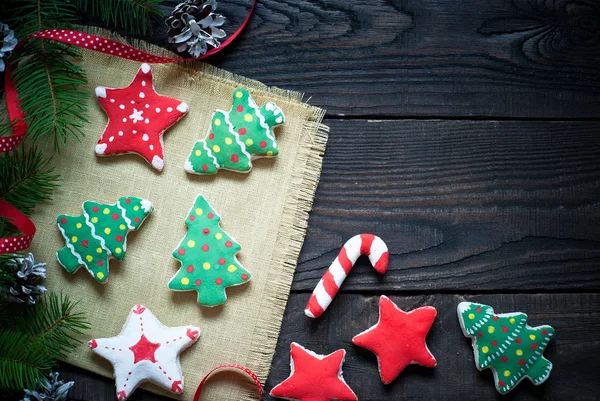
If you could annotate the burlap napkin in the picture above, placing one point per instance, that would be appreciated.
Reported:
(266, 211)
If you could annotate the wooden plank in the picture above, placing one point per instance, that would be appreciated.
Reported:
(422, 58)
(463, 205)
(574, 351)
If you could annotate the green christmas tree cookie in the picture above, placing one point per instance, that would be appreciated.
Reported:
(207, 256)
(506, 344)
(99, 234)
(236, 137)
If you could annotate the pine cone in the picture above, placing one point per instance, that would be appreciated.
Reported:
(24, 289)
(52, 390)
(7, 43)
(193, 25)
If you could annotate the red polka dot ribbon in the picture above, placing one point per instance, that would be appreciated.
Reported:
(225, 367)
(22, 222)
(90, 42)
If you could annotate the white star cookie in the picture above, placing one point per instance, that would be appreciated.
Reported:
(146, 350)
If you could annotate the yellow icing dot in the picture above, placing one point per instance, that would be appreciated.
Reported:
(136, 208)
(519, 352)
(106, 210)
(217, 122)
(218, 235)
(248, 117)
(216, 148)
(94, 219)
(89, 258)
(249, 142)
(98, 250)
(206, 265)
(506, 373)
(471, 316)
(199, 211)
(73, 239)
(512, 320)
(485, 349)
(107, 231)
(531, 337)
(118, 251)
(228, 141)
(238, 94)
(78, 225)
(491, 329)
(122, 226)
(191, 243)
(231, 268)
(100, 275)
(270, 153)
(185, 281)
(198, 153)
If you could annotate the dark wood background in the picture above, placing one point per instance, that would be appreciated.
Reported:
(466, 134)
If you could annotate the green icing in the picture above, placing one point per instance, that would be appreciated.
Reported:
(236, 136)
(99, 234)
(506, 344)
(207, 256)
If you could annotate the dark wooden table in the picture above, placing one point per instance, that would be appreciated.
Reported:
(466, 134)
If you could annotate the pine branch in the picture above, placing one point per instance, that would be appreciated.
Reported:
(135, 16)
(23, 363)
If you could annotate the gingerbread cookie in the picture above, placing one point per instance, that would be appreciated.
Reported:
(100, 233)
(398, 338)
(236, 137)
(137, 119)
(146, 350)
(207, 256)
(314, 377)
(506, 344)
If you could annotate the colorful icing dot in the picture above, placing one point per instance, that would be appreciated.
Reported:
(270, 153)
(218, 235)
(204, 167)
(248, 117)
(198, 153)
(518, 340)
(222, 261)
(532, 337)
(192, 218)
(238, 95)
(231, 268)
(249, 142)
(94, 220)
(107, 231)
(263, 144)
(185, 281)
(491, 329)
(218, 281)
(100, 275)
(217, 122)
(533, 346)
(64, 221)
(98, 250)
(485, 349)
(210, 215)
(122, 227)
(206, 231)
(506, 373)
(521, 362)
(512, 320)
(519, 352)
(504, 329)
(228, 244)
(106, 210)
(84, 243)
(100, 263)
(78, 225)
(118, 238)
(240, 108)
(118, 251)
(206, 265)
(211, 136)
(73, 239)
(504, 359)
(95, 209)
(137, 220)
(228, 141)
(199, 211)
(479, 334)
(136, 208)
(216, 148)
(181, 251)
(501, 383)
(190, 269)
(235, 158)
(495, 318)
(198, 282)
(471, 316)
(478, 309)
(244, 276)
(89, 258)
(128, 201)
(205, 248)
(545, 332)
(242, 131)
(191, 243)
(115, 216)
(494, 343)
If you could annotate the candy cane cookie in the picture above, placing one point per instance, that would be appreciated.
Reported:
(362, 244)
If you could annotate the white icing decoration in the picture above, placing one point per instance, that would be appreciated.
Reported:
(147, 205)
(145, 68)
(136, 116)
(122, 107)
(120, 133)
(158, 163)
(145, 137)
(112, 138)
(142, 95)
(101, 91)
(188, 167)
(169, 109)
(182, 107)
(100, 148)
(157, 109)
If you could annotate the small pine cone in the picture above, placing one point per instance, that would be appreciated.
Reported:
(7, 43)
(193, 26)
(24, 289)
(52, 390)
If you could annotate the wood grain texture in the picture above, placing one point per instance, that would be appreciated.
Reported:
(511, 58)
(463, 205)
(574, 351)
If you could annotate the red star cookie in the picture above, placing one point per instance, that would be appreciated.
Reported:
(398, 338)
(146, 350)
(314, 377)
(137, 119)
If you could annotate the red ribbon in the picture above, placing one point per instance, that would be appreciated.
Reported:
(22, 222)
(90, 42)
(230, 366)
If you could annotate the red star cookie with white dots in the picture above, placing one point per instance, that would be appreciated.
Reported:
(314, 377)
(137, 119)
(398, 338)
(146, 350)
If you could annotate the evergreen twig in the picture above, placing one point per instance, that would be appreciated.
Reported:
(135, 16)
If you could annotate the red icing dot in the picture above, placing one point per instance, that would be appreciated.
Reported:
(63, 221)
(518, 340)
(115, 216)
(263, 144)
(244, 276)
(95, 209)
(228, 244)
(240, 108)
(533, 346)
(205, 248)
(501, 383)
(206, 231)
(84, 242)
(504, 359)
(494, 343)
(128, 201)
(544, 332)
(211, 136)
(480, 334)
(504, 329)
(119, 238)
(234, 158)
(204, 167)
(495, 318)
(218, 281)
(100, 263)
(521, 362)
(190, 268)
(478, 309)
(210, 215)
(192, 218)
(137, 219)
(181, 251)
(222, 261)
(198, 282)
(242, 131)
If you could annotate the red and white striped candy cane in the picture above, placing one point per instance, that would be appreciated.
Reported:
(362, 244)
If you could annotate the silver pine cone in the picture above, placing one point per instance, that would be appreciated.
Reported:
(52, 390)
(193, 26)
(24, 289)
(7, 43)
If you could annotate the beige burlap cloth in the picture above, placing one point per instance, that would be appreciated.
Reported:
(266, 211)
